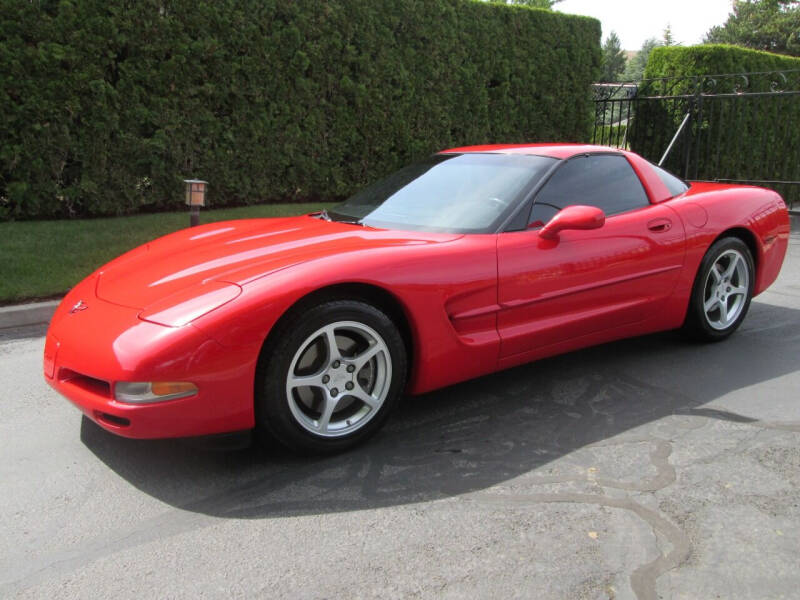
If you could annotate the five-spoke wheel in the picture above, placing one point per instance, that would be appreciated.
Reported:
(339, 378)
(726, 290)
(722, 290)
(329, 376)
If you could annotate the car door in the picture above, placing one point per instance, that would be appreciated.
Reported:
(586, 281)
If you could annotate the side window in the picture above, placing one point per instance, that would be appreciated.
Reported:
(675, 186)
(604, 180)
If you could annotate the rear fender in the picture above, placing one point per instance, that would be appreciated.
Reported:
(710, 211)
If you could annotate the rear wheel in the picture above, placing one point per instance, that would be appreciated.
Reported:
(331, 377)
(722, 291)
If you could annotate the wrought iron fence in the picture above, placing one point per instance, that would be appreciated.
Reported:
(741, 127)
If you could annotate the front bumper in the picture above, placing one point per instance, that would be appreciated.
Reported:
(88, 351)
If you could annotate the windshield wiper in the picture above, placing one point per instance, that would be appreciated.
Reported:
(323, 214)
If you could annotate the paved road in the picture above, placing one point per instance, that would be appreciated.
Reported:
(641, 469)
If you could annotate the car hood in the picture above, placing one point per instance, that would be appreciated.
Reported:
(235, 252)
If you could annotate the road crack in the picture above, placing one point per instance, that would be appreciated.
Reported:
(643, 578)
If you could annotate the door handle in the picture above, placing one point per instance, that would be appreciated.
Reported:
(659, 225)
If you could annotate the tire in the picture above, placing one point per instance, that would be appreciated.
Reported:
(722, 291)
(315, 401)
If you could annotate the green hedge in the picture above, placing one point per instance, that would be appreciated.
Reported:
(611, 135)
(713, 59)
(107, 105)
(735, 133)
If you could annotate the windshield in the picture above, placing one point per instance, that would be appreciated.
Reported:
(455, 193)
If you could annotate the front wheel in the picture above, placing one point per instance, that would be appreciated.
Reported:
(330, 377)
(722, 291)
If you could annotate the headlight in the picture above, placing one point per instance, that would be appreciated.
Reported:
(148, 392)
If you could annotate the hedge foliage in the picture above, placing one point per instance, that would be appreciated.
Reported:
(107, 104)
(713, 59)
(736, 131)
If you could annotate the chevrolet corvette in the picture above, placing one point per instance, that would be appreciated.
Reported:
(309, 329)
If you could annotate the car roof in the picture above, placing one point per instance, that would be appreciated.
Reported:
(562, 151)
(656, 189)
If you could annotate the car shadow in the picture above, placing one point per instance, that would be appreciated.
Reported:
(473, 435)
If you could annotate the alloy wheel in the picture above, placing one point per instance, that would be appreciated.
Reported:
(338, 379)
(726, 288)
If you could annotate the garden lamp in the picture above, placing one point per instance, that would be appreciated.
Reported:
(195, 198)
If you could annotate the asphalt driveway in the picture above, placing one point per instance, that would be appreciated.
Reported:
(646, 468)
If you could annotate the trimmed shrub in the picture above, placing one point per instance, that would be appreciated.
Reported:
(734, 133)
(713, 59)
(108, 105)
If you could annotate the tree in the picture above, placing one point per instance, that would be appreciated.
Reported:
(772, 25)
(613, 59)
(534, 3)
(666, 38)
(634, 70)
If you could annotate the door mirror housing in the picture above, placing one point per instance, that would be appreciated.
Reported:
(573, 217)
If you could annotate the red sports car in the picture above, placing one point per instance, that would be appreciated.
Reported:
(477, 259)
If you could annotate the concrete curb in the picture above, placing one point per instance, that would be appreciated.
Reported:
(21, 315)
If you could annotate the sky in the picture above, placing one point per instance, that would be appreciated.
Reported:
(636, 20)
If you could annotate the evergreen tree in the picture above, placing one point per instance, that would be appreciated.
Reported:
(636, 65)
(613, 59)
(667, 39)
(771, 25)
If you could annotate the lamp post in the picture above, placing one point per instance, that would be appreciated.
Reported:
(195, 198)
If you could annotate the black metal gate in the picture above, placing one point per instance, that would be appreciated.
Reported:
(742, 127)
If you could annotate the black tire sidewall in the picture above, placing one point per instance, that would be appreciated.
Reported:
(273, 415)
(696, 324)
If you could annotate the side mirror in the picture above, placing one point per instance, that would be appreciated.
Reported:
(573, 217)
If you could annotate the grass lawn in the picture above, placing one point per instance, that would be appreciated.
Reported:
(41, 259)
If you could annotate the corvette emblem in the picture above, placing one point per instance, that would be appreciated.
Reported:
(79, 306)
